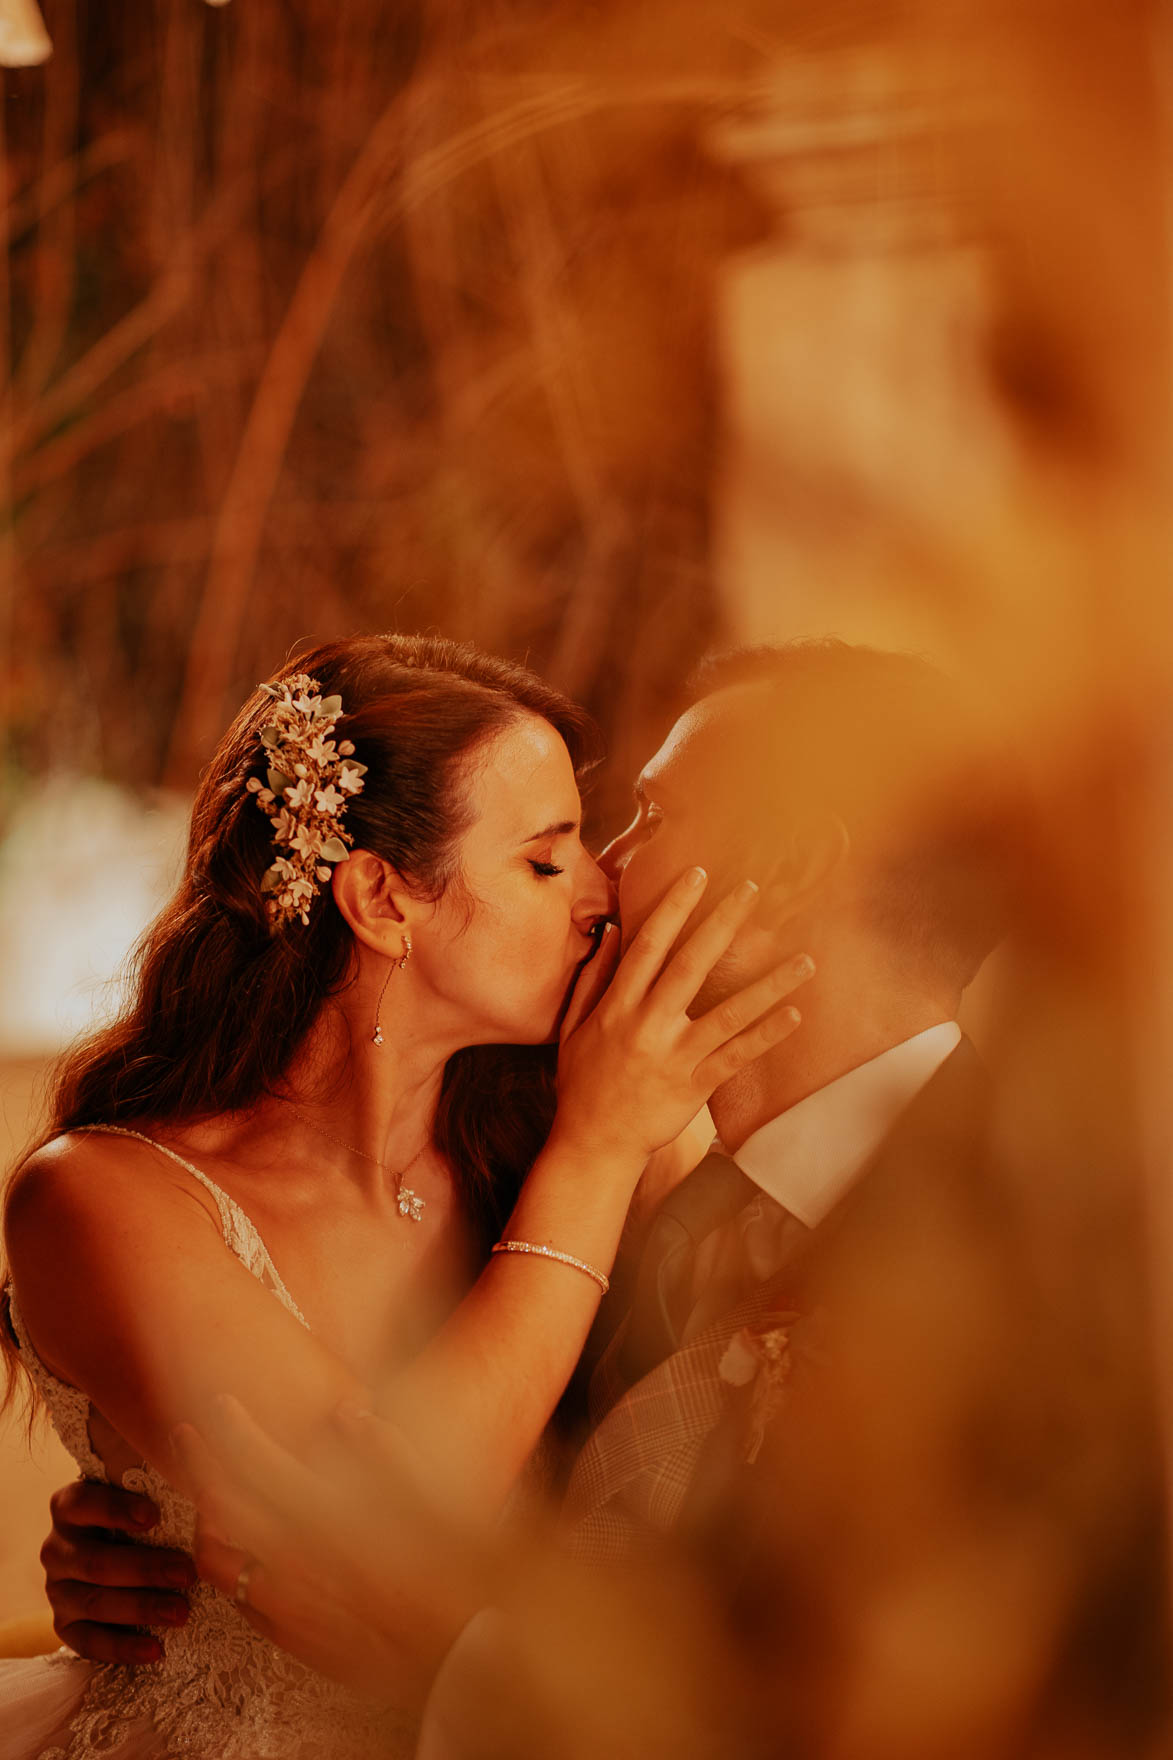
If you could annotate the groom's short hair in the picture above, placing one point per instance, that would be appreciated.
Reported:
(887, 743)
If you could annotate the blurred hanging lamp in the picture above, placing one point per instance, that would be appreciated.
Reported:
(24, 41)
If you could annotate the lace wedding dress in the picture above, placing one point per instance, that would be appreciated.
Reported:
(221, 1691)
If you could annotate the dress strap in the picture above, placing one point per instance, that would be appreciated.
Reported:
(241, 1235)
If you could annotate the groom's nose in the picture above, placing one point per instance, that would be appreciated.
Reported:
(610, 894)
(611, 862)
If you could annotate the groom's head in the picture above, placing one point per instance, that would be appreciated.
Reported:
(854, 788)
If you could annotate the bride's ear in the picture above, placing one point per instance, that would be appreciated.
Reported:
(806, 866)
(373, 898)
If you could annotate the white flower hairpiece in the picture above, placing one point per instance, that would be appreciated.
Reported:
(310, 779)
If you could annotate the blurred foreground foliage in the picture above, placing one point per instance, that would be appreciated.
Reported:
(333, 316)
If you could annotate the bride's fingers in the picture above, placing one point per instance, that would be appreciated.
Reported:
(592, 981)
(251, 1455)
(732, 1016)
(221, 1565)
(278, 1601)
(657, 935)
(197, 1467)
(691, 964)
(754, 1042)
(274, 1599)
(218, 1561)
(258, 1465)
(225, 1506)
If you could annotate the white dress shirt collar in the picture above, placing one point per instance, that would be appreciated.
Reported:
(807, 1157)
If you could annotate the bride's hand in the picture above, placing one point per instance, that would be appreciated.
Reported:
(636, 1068)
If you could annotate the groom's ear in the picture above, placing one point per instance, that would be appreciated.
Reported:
(372, 896)
(806, 864)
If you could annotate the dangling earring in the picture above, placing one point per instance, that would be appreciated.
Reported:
(395, 966)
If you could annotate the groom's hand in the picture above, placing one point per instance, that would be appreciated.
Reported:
(104, 1581)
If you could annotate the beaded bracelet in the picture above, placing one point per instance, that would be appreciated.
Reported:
(599, 1277)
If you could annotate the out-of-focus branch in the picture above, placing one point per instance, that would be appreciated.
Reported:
(262, 448)
(132, 332)
(53, 278)
(186, 382)
(8, 555)
(62, 181)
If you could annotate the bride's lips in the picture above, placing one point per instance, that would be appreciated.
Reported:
(596, 937)
(580, 966)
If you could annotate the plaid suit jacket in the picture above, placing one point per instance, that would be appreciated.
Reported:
(632, 1479)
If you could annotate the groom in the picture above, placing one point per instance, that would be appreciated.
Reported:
(875, 815)
(849, 783)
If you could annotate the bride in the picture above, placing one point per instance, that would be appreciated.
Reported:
(310, 1164)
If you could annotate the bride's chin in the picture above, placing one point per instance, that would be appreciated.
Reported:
(547, 1022)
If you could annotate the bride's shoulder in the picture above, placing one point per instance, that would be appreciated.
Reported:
(79, 1179)
(74, 1157)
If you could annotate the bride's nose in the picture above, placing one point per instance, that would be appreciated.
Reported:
(597, 898)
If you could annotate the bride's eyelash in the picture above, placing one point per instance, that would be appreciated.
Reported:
(546, 869)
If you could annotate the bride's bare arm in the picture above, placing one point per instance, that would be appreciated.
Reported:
(128, 1291)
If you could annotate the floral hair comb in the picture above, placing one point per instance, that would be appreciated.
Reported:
(310, 779)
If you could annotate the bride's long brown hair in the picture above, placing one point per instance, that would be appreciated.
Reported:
(219, 1005)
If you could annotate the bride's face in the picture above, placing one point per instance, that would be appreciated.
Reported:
(501, 949)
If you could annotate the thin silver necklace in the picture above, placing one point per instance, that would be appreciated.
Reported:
(407, 1203)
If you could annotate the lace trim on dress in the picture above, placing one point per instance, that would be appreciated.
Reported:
(221, 1691)
(68, 1407)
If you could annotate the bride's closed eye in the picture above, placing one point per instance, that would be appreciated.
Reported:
(546, 869)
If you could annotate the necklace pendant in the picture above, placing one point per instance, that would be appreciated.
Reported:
(409, 1205)
(377, 1038)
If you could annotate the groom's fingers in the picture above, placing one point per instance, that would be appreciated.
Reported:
(87, 1504)
(110, 1643)
(89, 1557)
(88, 1603)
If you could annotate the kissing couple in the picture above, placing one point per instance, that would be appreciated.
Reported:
(316, 1194)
